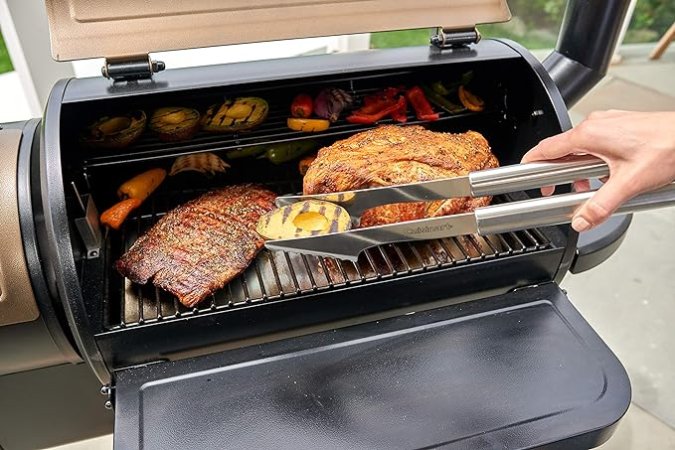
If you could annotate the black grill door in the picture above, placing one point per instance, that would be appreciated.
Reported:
(518, 370)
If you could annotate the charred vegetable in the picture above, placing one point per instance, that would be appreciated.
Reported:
(246, 152)
(114, 216)
(330, 103)
(288, 151)
(115, 132)
(302, 106)
(175, 123)
(307, 218)
(442, 102)
(419, 102)
(307, 125)
(142, 185)
(206, 163)
(240, 114)
(470, 101)
(304, 164)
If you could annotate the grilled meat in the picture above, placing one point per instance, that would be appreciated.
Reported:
(396, 155)
(201, 245)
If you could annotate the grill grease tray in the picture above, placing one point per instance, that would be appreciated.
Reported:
(273, 276)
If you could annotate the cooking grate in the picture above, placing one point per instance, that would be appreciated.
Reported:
(278, 275)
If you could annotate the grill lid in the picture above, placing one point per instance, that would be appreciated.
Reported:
(82, 29)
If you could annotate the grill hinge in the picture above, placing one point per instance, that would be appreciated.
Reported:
(448, 38)
(131, 68)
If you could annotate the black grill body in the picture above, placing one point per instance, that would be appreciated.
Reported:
(119, 327)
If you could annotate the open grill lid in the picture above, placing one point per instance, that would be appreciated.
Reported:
(82, 29)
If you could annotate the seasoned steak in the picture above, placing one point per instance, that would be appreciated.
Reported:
(392, 154)
(201, 245)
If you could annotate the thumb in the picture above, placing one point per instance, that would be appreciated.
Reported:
(603, 203)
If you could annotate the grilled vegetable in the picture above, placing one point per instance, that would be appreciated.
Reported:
(442, 102)
(142, 185)
(240, 114)
(116, 214)
(307, 125)
(246, 152)
(207, 163)
(440, 88)
(287, 151)
(394, 108)
(330, 103)
(175, 123)
(470, 101)
(302, 106)
(115, 132)
(420, 104)
(304, 164)
(307, 218)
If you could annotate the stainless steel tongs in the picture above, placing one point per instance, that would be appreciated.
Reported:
(493, 219)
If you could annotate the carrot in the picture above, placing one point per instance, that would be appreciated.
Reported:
(116, 214)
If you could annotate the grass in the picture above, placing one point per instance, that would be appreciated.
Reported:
(532, 39)
(5, 62)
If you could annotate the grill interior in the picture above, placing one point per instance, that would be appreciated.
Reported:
(115, 304)
(279, 275)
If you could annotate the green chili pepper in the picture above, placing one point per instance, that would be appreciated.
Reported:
(442, 102)
(440, 88)
(245, 152)
(287, 151)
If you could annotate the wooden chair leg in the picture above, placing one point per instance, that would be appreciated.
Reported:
(663, 43)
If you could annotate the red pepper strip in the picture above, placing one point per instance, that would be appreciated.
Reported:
(357, 117)
(401, 113)
(420, 104)
(374, 104)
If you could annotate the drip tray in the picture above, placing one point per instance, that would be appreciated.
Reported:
(519, 370)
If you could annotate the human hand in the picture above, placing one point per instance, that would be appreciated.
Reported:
(638, 147)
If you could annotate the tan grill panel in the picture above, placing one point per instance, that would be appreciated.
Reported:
(83, 29)
(17, 302)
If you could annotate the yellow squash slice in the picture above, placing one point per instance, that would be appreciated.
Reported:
(115, 132)
(175, 123)
(302, 219)
(240, 114)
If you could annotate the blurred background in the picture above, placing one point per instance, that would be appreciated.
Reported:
(633, 313)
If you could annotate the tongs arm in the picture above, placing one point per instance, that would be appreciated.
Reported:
(502, 180)
(522, 177)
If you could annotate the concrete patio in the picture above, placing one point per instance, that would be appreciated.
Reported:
(630, 299)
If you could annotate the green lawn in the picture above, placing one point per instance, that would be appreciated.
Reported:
(531, 39)
(5, 62)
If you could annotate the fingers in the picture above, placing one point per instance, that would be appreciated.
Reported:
(603, 203)
(582, 185)
(551, 148)
(547, 191)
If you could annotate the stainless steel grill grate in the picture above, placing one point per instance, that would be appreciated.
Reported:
(277, 275)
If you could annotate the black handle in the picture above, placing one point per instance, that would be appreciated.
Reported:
(588, 36)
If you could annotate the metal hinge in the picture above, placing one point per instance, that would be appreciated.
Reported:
(131, 68)
(447, 38)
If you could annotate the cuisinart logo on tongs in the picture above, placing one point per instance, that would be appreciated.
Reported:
(429, 229)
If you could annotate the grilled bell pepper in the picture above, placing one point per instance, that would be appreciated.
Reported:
(302, 106)
(307, 125)
(246, 152)
(142, 185)
(420, 104)
(442, 102)
(394, 107)
(471, 101)
(287, 151)
(116, 214)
